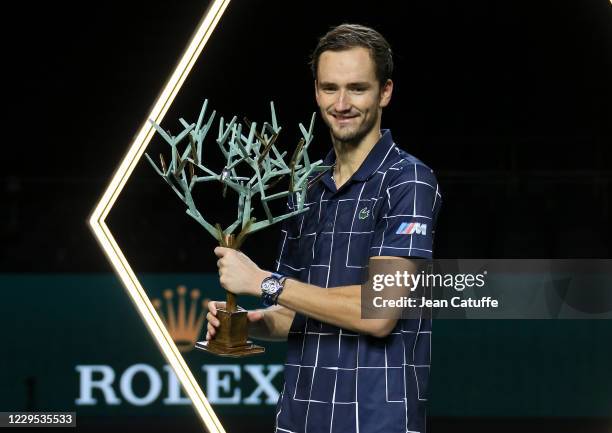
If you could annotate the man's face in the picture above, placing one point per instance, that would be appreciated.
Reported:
(348, 93)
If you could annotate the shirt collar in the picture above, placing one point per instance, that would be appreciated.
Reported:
(370, 164)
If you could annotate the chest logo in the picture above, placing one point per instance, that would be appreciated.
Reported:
(364, 213)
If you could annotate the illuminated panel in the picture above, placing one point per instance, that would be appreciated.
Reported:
(111, 248)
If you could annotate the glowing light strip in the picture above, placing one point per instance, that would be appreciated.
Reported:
(111, 248)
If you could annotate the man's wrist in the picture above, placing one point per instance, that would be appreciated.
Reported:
(262, 276)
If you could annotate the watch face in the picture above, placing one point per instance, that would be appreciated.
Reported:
(270, 285)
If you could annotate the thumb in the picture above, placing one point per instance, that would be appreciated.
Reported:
(255, 316)
(221, 251)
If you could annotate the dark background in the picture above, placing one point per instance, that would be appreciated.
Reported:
(509, 103)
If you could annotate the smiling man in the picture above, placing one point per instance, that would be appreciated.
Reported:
(344, 373)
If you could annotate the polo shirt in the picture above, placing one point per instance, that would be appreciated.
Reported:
(337, 380)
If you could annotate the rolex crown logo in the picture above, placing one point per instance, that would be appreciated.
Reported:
(184, 326)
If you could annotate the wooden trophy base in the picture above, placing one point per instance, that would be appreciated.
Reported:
(231, 338)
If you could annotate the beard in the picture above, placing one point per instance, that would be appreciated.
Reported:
(349, 134)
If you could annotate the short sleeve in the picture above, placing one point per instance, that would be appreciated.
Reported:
(405, 224)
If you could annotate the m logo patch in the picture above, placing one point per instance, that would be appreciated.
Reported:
(410, 228)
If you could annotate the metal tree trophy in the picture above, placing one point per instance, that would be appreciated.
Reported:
(256, 153)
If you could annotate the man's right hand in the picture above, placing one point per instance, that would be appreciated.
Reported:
(213, 323)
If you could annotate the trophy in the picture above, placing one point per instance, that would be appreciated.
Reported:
(250, 151)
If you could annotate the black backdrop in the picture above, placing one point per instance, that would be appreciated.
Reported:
(509, 102)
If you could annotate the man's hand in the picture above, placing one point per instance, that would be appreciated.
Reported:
(213, 323)
(237, 273)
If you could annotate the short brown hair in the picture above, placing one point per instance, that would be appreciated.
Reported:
(347, 36)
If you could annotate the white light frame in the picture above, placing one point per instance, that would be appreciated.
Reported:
(111, 248)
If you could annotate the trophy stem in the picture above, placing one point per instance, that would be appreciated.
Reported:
(230, 301)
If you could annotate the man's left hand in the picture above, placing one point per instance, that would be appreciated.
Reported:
(238, 274)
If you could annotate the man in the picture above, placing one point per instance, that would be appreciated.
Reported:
(344, 373)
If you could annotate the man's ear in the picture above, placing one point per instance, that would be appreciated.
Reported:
(385, 93)
(316, 88)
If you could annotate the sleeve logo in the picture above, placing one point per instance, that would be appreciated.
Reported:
(411, 228)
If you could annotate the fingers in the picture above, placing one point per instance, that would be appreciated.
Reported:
(210, 331)
(214, 323)
(211, 318)
(255, 315)
(213, 306)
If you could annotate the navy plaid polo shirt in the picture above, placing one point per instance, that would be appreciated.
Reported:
(338, 381)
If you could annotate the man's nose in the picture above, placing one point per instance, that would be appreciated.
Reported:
(342, 103)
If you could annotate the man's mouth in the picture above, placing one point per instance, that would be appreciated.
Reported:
(343, 119)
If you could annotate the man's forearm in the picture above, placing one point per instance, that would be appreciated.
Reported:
(274, 326)
(339, 306)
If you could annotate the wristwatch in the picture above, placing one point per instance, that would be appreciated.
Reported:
(271, 288)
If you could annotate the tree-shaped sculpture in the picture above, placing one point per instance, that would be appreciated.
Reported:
(258, 152)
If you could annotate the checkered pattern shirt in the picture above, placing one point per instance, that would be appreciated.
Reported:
(337, 380)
